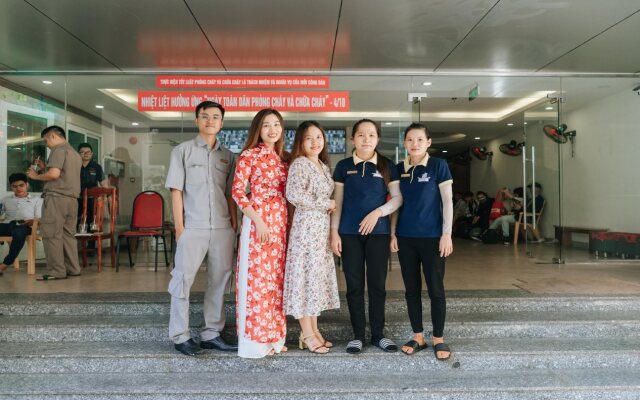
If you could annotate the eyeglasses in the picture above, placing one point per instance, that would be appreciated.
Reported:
(214, 117)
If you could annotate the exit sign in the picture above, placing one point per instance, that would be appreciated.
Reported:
(473, 93)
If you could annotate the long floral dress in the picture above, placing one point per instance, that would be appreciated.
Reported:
(310, 285)
(261, 321)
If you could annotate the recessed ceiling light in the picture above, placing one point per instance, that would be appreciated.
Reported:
(525, 123)
(99, 106)
(510, 124)
(47, 82)
(477, 138)
(426, 83)
(388, 123)
(445, 151)
(135, 124)
(549, 108)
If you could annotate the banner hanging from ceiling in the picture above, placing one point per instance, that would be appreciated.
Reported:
(242, 82)
(245, 101)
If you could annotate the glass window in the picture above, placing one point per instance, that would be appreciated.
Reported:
(75, 138)
(24, 144)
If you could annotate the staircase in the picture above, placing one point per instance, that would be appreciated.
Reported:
(506, 345)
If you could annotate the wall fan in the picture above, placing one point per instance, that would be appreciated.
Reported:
(559, 134)
(481, 153)
(512, 148)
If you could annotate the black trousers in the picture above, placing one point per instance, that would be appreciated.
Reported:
(18, 235)
(412, 252)
(372, 250)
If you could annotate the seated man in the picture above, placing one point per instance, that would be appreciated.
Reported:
(513, 208)
(512, 216)
(21, 208)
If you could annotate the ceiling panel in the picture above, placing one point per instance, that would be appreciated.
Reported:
(270, 35)
(524, 35)
(141, 34)
(4, 67)
(403, 34)
(31, 42)
(608, 52)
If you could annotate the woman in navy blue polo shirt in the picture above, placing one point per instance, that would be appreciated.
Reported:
(360, 230)
(421, 233)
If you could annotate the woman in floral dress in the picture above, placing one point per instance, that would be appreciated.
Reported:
(262, 172)
(310, 285)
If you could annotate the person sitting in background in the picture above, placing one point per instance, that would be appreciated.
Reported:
(460, 207)
(472, 204)
(480, 220)
(20, 210)
(463, 226)
(512, 205)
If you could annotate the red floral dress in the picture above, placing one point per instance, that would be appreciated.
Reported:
(265, 174)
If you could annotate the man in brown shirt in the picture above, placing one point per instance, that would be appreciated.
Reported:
(60, 207)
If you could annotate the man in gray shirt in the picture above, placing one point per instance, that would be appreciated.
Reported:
(200, 178)
(60, 207)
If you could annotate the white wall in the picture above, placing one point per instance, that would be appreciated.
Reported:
(601, 183)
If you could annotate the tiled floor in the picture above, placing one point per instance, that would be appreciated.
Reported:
(473, 266)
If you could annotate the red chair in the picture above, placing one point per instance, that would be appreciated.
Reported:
(101, 197)
(147, 220)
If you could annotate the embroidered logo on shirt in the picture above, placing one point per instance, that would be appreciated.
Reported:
(424, 177)
(352, 172)
(224, 161)
(377, 174)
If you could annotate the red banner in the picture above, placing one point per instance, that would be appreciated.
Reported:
(245, 101)
(242, 82)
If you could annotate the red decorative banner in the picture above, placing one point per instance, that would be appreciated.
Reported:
(245, 101)
(242, 82)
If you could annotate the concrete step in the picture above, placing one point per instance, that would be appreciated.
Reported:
(54, 328)
(425, 384)
(468, 355)
(158, 303)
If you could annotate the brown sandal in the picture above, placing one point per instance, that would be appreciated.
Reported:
(302, 343)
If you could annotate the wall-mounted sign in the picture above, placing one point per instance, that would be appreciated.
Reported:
(242, 82)
(245, 101)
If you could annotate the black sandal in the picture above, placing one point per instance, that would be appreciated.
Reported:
(441, 347)
(415, 346)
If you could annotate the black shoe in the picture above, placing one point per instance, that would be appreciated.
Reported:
(188, 348)
(219, 344)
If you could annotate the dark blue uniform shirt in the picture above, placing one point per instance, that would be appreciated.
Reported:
(364, 191)
(421, 212)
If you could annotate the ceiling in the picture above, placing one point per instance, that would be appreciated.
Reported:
(516, 51)
(330, 35)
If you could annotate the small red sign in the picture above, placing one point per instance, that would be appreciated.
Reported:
(245, 101)
(242, 82)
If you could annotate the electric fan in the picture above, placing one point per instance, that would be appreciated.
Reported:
(481, 153)
(512, 148)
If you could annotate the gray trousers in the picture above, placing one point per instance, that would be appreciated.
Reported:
(503, 221)
(192, 247)
(58, 229)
